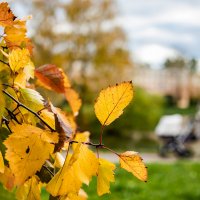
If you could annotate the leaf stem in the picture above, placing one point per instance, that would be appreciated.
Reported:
(101, 135)
(104, 147)
(31, 111)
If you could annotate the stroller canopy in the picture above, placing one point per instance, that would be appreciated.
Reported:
(171, 125)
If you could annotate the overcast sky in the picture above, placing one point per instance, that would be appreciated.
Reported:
(158, 29)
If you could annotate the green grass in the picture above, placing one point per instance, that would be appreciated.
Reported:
(179, 181)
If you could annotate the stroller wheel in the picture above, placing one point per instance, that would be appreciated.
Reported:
(184, 153)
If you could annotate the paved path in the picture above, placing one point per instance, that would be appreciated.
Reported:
(147, 158)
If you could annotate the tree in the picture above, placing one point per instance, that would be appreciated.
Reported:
(34, 133)
(181, 63)
(80, 36)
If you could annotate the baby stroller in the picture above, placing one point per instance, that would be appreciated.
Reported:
(175, 131)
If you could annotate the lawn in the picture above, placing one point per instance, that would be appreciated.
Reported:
(179, 181)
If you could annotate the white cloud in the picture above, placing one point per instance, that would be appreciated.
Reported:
(154, 54)
(164, 27)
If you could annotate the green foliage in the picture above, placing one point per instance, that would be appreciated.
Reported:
(143, 113)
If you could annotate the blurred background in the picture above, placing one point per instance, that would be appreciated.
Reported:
(101, 42)
(156, 45)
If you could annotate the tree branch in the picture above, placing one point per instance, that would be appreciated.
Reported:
(31, 111)
(5, 63)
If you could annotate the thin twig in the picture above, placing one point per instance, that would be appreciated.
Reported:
(5, 63)
(25, 107)
(6, 121)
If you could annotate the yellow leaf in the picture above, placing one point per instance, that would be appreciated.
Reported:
(132, 162)
(111, 102)
(105, 175)
(29, 70)
(15, 36)
(81, 137)
(87, 164)
(74, 100)
(27, 149)
(1, 163)
(20, 79)
(79, 169)
(48, 117)
(6, 15)
(19, 58)
(59, 160)
(65, 181)
(31, 98)
(30, 190)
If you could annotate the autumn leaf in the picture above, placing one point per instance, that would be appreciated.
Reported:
(59, 160)
(72, 122)
(73, 99)
(31, 98)
(23, 75)
(86, 165)
(111, 102)
(82, 165)
(48, 117)
(62, 119)
(81, 137)
(15, 36)
(65, 181)
(20, 79)
(1, 163)
(52, 77)
(19, 58)
(62, 126)
(30, 190)
(6, 15)
(105, 175)
(7, 179)
(132, 162)
(27, 149)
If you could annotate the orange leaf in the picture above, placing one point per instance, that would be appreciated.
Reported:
(15, 36)
(6, 15)
(52, 77)
(132, 162)
(73, 99)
